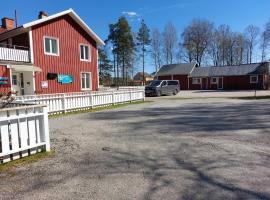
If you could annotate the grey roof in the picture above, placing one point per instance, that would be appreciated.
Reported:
(237, 70)
(173, 69)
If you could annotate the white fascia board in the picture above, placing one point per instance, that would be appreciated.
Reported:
(75, 17)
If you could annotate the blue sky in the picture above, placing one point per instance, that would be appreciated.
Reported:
(98, 14)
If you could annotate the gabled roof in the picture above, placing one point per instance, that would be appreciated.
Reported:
(236, 70)
(176, 69)
(69, 12)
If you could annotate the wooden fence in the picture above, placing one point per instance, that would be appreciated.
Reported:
(24, 130)
(67, 102)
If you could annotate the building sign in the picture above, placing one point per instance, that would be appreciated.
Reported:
(65, 78)
(3, 80)
(44, 84)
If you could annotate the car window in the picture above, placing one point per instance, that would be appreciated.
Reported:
(154, 83)
(172, 82)
(164, 83)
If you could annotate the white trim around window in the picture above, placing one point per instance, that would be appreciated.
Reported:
(50, 47)
(86, 81)
(196, 80)
(85, 52)
(214, 80)
(251, 79)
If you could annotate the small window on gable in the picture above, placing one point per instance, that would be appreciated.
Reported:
(85, 54)
(196, 81)
(253, 79)
(51, 46)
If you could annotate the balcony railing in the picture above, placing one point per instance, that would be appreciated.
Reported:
(14, 53)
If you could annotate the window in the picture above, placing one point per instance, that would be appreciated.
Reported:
(51, 46)
(86, 81)
(173, 83)
(164, 83)
(14, 80)
(214, 80)
(196, 81)
(253, 79)
(85, 52)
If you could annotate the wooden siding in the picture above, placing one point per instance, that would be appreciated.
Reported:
(70, 35)
(5, 72)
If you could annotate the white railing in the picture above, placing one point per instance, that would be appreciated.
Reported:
(24, 130)
(10, 54)
(67, 102)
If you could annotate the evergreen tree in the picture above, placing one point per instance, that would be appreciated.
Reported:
(144, 41)
(105, 67)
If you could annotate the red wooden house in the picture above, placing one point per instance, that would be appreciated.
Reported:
(238, 77)
(53, 54)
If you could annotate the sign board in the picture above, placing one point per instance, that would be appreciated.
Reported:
(44, 84)
(3, 80)
(65, 78)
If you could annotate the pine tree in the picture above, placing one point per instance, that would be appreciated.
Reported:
(105, 67)
(144, 41)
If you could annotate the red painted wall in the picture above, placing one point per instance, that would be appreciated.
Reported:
(231, 83)
(5, 72)
(70, 36)
(183, 80)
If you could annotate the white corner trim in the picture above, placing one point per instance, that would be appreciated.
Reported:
(97, 70)
(31, 45)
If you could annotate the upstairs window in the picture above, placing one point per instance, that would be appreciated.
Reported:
(51, 46)
(85, 52)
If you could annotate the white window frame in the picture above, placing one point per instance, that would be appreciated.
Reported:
(214, 82)
(90, 81)
(89, 52)
(50, 53)
(257, 79)
(196, 81)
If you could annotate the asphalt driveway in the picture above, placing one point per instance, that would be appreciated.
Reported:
(167, 149)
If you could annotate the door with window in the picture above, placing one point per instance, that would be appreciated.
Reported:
(18, 83)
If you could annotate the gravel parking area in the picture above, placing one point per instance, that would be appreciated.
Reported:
(167, 149)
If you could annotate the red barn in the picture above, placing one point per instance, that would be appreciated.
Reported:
(54, 54)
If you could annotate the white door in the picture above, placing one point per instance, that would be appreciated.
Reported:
(17, 83)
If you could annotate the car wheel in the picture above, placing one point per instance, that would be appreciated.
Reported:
(175, 92)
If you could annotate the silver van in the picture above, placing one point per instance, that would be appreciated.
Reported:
(162, 87)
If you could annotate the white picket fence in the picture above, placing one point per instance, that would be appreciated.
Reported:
(67, 102)
(24, 130)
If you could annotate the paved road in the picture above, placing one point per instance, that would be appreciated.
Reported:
(168, 149)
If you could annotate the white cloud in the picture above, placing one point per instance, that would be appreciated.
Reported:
(131, 14)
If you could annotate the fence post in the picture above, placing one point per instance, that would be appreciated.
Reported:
(91, 98)
(46, 128)
(64, 103)
(143, 95)
(113, 100)
(130, 96)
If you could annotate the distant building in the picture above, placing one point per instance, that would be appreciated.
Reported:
(238, 77)
(138, 78)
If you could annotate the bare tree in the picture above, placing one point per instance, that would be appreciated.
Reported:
(252, 33)
(169, 42)
(197, 37)
(263, 45)
(156, 48)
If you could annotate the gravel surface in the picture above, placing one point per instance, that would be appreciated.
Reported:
(168, 149)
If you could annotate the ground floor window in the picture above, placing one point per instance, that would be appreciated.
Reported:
(214, 80)
(86, 80)
(196, 81)
(253, 79)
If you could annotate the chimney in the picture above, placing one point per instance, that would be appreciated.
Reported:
(7, 23)
(42, 14)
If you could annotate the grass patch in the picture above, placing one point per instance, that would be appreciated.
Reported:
(26, 160)
(95, 109)
(251, 97)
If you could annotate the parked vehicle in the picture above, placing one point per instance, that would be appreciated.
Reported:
(162, 87)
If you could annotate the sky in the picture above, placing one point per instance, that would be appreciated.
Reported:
(156, 13)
